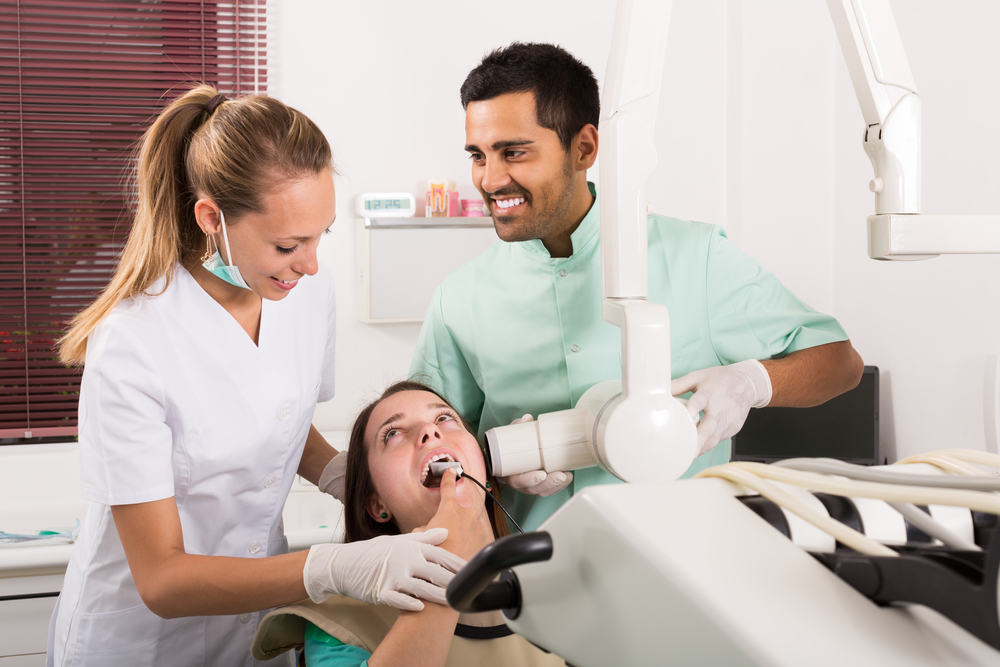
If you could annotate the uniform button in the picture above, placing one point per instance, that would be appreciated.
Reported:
(282, 414)
(254, 547)
(269, 481)
(574, 347)
(562, 273)
(245, 618)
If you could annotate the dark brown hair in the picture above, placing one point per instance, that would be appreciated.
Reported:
(359, 487)
(566, 93)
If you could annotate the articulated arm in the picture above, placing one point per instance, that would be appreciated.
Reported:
(891, 109)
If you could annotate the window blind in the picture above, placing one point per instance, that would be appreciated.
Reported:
(80, 81)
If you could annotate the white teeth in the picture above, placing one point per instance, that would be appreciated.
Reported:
(433, 459)
(507, 203)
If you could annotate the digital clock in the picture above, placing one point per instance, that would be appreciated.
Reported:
(386, 205)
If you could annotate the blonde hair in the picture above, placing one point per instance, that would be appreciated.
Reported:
(234, 155)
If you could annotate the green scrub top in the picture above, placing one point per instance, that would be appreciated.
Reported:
(517, 331)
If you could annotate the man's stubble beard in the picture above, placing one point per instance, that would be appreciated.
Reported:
(542, 223)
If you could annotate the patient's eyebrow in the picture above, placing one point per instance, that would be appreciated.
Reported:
(395, 417)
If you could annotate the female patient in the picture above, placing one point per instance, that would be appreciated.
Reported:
(389, 491)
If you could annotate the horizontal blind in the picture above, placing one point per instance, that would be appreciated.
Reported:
(80, 81)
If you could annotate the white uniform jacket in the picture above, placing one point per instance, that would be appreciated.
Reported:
(176, 400)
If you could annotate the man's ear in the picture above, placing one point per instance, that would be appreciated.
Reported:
(376, 509)
(207, 215)
(584, 148)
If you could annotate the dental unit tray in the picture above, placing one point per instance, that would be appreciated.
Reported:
(704, 581)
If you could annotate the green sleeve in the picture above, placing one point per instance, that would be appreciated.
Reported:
(752, 315)
(440, 363)
(324, 650)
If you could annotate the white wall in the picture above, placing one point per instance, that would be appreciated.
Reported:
(758, 130)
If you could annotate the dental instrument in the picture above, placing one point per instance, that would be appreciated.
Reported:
(436, 472)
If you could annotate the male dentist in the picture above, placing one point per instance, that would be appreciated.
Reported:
(519, 329)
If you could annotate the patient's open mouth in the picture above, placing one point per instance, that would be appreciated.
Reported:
(427, 478)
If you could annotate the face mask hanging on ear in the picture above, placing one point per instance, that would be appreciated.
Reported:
(217, 266)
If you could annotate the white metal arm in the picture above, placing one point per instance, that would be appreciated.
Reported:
(889, 104)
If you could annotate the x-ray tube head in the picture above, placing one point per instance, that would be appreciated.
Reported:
(575, 439)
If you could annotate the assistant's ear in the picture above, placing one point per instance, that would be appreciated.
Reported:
(207, 215)
(378, 511)
(585, 147)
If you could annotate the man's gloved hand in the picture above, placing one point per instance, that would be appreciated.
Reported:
(725, 394)
(332, 479)
(538, 482)
(391, 569)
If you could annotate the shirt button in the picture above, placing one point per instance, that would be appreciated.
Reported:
(254, 547)
(574, 347)
(245, 618)
(562, 273)
(269, 481)
(282, 414)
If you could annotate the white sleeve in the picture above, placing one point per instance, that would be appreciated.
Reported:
(125, 444)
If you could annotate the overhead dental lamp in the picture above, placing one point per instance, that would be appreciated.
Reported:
(635, 429)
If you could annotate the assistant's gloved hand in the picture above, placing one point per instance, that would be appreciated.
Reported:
(538, 482)
(726, 394)
(332, 479)
(390, 569)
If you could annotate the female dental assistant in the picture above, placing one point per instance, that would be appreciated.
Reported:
(204, 360)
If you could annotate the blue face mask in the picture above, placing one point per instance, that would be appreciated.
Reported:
(217, 266)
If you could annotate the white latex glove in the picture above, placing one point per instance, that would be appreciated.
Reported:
(538, 482)
(332, 479)
(391, 569)
(725, 394)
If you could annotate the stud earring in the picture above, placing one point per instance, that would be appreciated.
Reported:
(384, 515)
(488, 485)
(208, 249)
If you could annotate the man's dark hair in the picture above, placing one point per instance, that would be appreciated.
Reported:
(566, 95)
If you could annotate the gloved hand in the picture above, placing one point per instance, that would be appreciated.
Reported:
(726, 394)
(538, 482)
(332, 479)
(391, 569)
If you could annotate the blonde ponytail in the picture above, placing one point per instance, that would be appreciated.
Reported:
(233, 152)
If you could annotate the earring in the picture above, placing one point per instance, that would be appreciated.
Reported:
(488, 485)
(384, 516)
(208, 249)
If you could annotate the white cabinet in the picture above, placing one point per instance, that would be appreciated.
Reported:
(26, 604)
(31, 660)
(401, 261)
